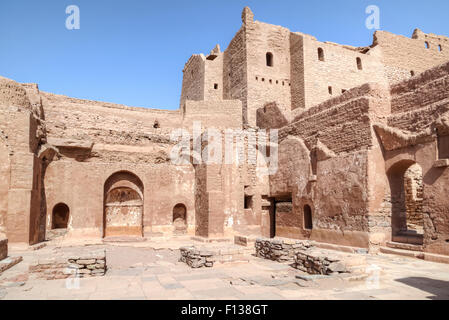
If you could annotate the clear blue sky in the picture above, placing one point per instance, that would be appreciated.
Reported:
(133, 52)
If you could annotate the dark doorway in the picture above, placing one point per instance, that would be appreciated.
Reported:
(308, 224)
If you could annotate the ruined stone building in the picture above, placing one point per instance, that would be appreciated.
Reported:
(363, 152)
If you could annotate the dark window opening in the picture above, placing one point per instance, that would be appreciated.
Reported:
(320, 54)
(216, 86)
(269, 57)
(308, 223)
(343, 90)
(156, 125)
(412, 73)
(359, 64)
(329, 89)
(248, 202)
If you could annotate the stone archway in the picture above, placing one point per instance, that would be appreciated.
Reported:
(406, 185)
(123, 205)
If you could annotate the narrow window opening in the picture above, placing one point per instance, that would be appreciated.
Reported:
(216, 86)
(248, 202)
(269, 57)
(330, 90)
(320, 54)
(440, 48)
(427, 45)
(412, 73)
(359, 64)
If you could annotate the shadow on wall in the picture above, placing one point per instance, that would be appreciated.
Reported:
(439, 288)
(270, 117)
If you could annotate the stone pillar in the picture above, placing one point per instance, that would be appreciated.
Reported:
(23, 197)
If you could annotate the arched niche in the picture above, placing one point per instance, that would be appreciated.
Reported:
(123, 205)
(60, 216)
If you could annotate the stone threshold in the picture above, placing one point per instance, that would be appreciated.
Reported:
(9, 262)
(431, 257)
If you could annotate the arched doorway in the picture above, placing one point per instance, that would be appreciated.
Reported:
(406, 185)
(180, 219)
(60, 216)
(123, 207)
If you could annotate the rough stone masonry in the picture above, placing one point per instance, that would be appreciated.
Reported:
(351, 121)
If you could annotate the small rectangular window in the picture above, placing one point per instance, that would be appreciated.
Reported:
(248, 202)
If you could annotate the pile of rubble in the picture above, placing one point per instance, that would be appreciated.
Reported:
(196, 258)
(92, 264)
(280, 250)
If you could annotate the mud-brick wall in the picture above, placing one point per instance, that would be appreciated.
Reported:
(267, 83)
(235, 71)
(3, 248)
(193, 79)
(422, 91)
(338, 197)
(337, 71)
(413, 188)
(402, 55)
(417, 105)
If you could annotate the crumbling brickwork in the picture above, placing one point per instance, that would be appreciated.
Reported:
(352, 124)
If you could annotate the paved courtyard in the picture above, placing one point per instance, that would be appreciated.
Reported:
(151, 270)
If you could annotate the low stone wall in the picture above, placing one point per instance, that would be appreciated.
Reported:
(92, 264)
(280, 250)
(3, 248)
(196, 258)
(319, 262)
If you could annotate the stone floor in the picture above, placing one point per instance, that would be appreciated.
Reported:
(150, 270)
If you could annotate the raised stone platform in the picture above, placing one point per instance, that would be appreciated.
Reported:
(306, 256)
(71, 264)
(9, 262)
(208, 256)
(196, 258)
(280, 249)
(319, 262)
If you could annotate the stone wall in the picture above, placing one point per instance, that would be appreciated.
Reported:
(71, 265)
(413, 186)
(318, 262)
(196, 258)
(280, 250)
(3, 248)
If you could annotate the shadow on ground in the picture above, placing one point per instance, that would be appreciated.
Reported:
(438, 288)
